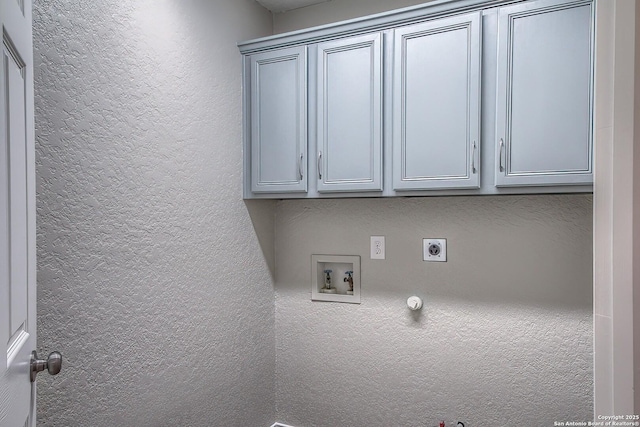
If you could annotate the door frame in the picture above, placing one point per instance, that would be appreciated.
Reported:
(616, 209)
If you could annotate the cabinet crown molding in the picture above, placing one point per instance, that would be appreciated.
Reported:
(377, 22)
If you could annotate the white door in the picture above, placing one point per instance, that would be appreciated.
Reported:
(17, 217)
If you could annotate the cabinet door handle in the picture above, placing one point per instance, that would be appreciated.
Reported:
(319, 164)
(300, 167)
(501, 150)
(473, 158)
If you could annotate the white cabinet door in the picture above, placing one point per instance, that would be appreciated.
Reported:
(349, 114)
(279, 121)
(544, 94)
(436, 100)
(17, 217)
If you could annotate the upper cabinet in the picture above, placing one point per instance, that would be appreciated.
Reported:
(452, 97)
(544, 93)
(436, 104)
(349, 114)
(279, 120)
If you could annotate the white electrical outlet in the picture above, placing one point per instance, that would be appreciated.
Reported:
(377, 247)
(434, 250)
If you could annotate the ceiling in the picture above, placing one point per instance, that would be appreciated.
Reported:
(284, 5)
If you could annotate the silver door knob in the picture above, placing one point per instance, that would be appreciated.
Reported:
(53, 364)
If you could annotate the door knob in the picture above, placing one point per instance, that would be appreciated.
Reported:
(53, 364)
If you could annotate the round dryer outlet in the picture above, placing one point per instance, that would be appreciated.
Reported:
(434, 250)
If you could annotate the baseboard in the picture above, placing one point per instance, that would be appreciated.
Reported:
(281, 425)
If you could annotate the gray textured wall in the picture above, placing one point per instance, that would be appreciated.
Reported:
(151, 278)
(505, 335)
(333, 11)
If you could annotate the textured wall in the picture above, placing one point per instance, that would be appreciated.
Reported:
(151, 279)
(333, 11)
(505, 335)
